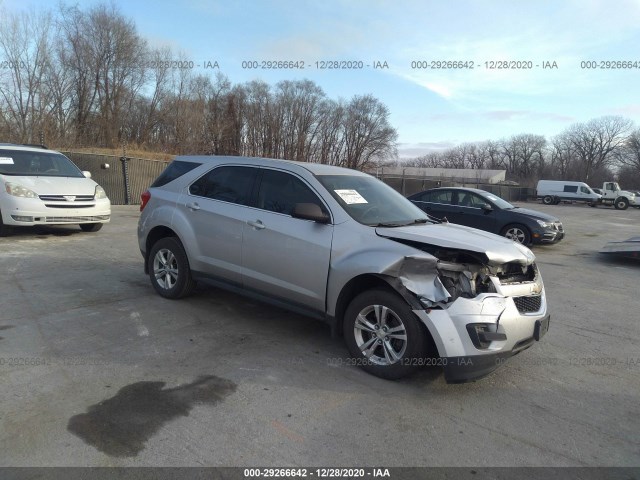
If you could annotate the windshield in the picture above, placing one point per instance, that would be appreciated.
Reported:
(34, 163)
(371, 202)
(497, 201)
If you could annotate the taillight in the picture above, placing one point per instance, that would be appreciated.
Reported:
(146, 195)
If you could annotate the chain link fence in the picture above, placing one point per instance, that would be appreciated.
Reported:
(408, 185)
(123, 178)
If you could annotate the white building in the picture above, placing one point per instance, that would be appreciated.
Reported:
(457, 175)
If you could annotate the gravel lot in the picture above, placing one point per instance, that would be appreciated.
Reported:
(98, 370)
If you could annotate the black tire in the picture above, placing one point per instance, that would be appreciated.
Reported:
(408, 353)
(90, 227)
(556, 200)
(547, 200)
(167, 255)
(5, 230)
(592, 204)
(621, 203)
(517, 232)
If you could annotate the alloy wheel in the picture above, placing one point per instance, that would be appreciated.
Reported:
(380, 335)
(165, 268)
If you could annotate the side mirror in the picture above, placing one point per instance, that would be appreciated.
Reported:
(487, 208)
(309, 211)
(86, 173)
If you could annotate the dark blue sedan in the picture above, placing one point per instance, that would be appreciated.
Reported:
(485, 211)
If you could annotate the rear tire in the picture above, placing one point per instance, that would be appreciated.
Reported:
(518, 233)
(547, 200)
(169, 269)
(383, 335)
(90, 227)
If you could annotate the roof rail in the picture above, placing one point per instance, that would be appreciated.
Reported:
(36, 145)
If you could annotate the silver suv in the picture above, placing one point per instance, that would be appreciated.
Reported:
(403, 289)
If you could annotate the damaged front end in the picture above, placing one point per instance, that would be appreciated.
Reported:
(478, 309)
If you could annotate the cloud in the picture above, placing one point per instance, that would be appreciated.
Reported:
(501, 116)
(508, 115)
(413, 150)
(630, 110)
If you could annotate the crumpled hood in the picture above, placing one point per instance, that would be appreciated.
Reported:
(44, 185)
(447, 235)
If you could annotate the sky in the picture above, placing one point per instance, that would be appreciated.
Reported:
(550, 47)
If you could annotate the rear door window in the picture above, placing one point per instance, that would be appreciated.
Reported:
(440, 196)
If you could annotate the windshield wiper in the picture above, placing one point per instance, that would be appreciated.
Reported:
(413, 222)
(389, 225)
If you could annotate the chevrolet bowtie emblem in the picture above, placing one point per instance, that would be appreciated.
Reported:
(69, 198)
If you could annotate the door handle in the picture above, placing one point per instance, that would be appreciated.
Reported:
(258, 225)
(193, 206)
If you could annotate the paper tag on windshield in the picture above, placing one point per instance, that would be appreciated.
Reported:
(350, 196)
(6, 161)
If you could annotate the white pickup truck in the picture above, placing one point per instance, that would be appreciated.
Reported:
(612, 194)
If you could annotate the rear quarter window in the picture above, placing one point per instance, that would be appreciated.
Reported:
(570, 188)
(175, 170)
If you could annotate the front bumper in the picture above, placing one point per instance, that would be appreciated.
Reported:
(547, 236)
(31, 212)
(508, 322)
(472, 367)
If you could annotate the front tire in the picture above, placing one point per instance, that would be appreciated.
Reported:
(383, 335)
(4, 229)
(621, 203)
(169, 270)
(518, 233)
(90, 227)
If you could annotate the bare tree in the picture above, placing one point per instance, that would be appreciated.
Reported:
(329, 146)
(298, 103)
(143, 126)
(259, 140)
(59, 86)
(597, 142)
(79, 62)
(561, 156)
(629, 155)
(523, 155)
(106, 59)
(368, 134)
(24, 39)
